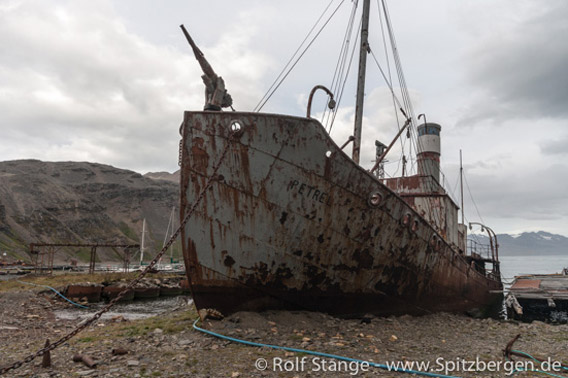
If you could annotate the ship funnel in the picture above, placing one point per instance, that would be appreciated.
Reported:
(428, 156)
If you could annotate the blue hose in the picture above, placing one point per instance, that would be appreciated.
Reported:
(334, 356)
(56, 292)
(536, 370)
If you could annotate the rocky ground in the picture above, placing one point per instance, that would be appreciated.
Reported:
(167, 345)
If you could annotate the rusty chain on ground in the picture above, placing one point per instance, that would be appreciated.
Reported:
(234, 134)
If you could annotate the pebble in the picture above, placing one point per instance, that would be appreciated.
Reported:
(84, 373)
(198, 355)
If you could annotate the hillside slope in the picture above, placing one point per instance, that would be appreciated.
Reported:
(529, 243)
(79, 202)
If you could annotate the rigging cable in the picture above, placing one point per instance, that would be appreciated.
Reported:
(434, 213)
(293, 55)
(340, 97)
(274, 87)
(341, 61)
(389, 81)
(400, 74)
(472, 200)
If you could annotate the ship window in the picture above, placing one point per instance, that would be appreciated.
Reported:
(433, 131)
(328, 154)
(375, 199)
(415, 225)
(433, 241)
(429, 131)
(236, 126)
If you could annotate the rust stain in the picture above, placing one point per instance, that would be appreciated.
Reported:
(526, 284)
(282, 239)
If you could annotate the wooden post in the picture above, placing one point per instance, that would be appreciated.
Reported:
(46, 361)
(93, 259)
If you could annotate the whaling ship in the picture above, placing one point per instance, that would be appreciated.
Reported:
(291, 221)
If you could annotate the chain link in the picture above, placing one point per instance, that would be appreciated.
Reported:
(232, 136)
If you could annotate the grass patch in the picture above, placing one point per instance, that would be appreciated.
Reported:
(127, 231)
(60, 280)
(193, 362)
(170, 323)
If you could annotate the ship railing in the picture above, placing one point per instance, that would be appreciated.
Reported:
(484, 252)
(476, 248)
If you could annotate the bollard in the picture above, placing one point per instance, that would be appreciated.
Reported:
(46, 361)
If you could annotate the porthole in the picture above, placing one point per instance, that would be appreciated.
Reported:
(236, 127)
(375, 199)
(415, 224)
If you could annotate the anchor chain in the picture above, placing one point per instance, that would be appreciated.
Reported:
(232, 137)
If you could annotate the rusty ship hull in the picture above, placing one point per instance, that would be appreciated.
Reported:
(288, 223)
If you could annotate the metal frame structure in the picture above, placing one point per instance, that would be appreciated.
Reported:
(47, 257)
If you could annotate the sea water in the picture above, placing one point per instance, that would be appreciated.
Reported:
(512, 266)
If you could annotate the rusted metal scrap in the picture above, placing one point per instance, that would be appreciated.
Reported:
(88, 361)
(210, 313)
(119, 351)
(509, 352)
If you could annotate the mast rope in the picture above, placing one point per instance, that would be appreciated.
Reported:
(280, 79)
(293, 55)
(394, 100)
(341, 62)
(472, 200)
(433, 213)
(343, 85)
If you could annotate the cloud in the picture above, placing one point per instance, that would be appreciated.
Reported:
(518, 64)
(76, 84)
(555, 147)
(107, 81)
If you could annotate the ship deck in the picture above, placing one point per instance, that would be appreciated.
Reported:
(553, 286)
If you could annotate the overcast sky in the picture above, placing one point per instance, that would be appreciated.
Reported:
(107, 81)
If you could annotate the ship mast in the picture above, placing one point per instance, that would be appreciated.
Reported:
(461, 187)
(361, 81)
(142, 246)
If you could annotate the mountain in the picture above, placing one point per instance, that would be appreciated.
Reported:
(172, 177)
(79, 202)
(528, 243)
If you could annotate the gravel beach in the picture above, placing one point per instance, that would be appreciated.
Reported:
(167, 346)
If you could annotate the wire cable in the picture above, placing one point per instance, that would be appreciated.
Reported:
(293, 55)
(472, 200)
(261, 104)
(341, 62)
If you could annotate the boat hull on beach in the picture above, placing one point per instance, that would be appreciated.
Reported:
(292, 222)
